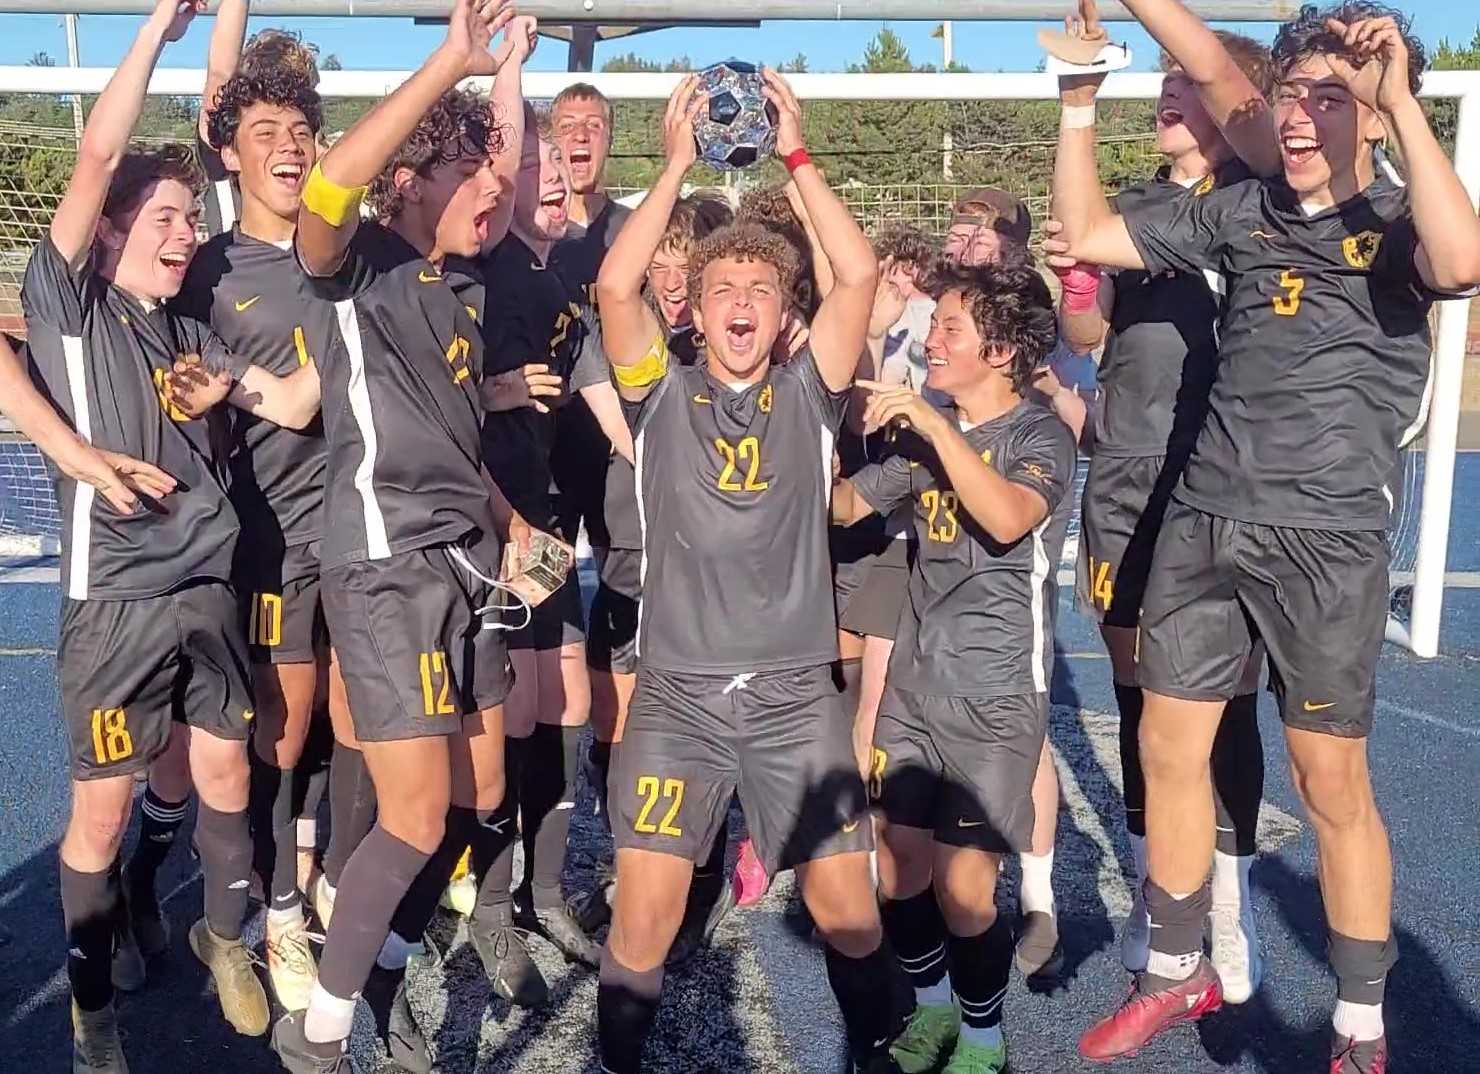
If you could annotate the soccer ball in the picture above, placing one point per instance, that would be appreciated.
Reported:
(738, 127)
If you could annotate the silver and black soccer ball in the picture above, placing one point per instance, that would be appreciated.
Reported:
(738, 127)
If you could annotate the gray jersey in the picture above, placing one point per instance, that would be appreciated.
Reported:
(401, 409)
(578, 256)
(733, 491)
(1324, 351)
(979, 619)
(101, 357)
(257, 299)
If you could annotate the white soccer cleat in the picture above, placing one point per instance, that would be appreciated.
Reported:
(1236, 952)
(1135, 941)
(291, 966)
(323, 901)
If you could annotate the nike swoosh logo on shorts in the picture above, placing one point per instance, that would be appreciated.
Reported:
(242, 307)
(1310, 707)
(969, 823)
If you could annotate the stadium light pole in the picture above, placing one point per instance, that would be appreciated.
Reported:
(74, 60)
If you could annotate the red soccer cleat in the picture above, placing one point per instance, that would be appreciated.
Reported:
(751, 881)
(1145, 1014)
(1350, 1056)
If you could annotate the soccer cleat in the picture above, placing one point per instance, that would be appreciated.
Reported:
(299, 1056)
(461, 895)
(972, 1058)
(291, 966)
(710, 901)
(1236, 953)
(323, 901)
(927, 1038)
(751, 881)
(128, 961)
(1144, 1014)
(1038, 951)
(1135, 941)
(395, 1025)
(593, 909)
(151, 931)
(243, 1001)
(95, 1045)
(1349, 1056)
(506, 960)
(558, 926)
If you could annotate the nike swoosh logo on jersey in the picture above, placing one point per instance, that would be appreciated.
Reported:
(969, 823)
(242, 307)
(237, 885)
(849, 829)
(703, 399)
(428, 277)
(1310, 707)
(1257, 234)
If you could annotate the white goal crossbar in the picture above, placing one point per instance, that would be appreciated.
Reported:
(1442, 431)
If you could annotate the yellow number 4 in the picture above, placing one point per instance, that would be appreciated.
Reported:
(434, 670)
(1292, 283)
(651, 788)
(1102, 588)
(111, 740)
(746, 453)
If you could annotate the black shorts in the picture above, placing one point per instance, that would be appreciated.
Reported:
(612, 643)
(1317, 598)
(411, 643)
(1125, 501)
(871, 591)
(960, 767)
(130, 668)
(555, 622)
(780, 738)
(281, 610)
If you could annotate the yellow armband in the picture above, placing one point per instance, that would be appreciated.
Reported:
(651, 368)
(330, 202)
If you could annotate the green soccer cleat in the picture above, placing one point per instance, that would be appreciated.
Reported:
(927, 1038)
(971, 1058)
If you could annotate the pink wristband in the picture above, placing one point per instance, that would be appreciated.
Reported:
(1081, 288)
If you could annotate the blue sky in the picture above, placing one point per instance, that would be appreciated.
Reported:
(829, 46)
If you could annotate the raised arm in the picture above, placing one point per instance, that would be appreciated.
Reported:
(1091, 233)
(507, 101)
(823, 277)
(841, 326)
(330, 214)
(628, 327)
(1233, 102)
(109, 128)
(223, 58)
(1448, 256)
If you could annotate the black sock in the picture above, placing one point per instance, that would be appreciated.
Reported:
(379, 872)
(308, 792)
(1361, 966)
(1238, 776)
(599, 762)
(850, 684)
(547, 796)
(418, 905)
(867, 1003)
(161, 822)
(626, 1004)
(1130, 700)
(274, 832)
(90, 905)
(225, 844)
(493, 856)
(351, 809)
(917, 933)
(980, 966)
(1176, 924)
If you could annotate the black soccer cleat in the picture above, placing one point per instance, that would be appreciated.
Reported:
(511, 971)
(150, 930)
(299, 1056)
(558, 926)
(395, 1025)
(710, 901)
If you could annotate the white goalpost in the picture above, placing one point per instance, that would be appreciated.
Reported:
(1441, 435)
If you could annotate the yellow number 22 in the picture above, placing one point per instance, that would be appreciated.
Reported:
(747, 453)
(651, 788)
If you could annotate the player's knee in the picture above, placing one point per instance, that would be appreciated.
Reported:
(99, 827)
(1335, 788)
(904, 866)
(644, 925)
(845, 910)
(220, 771)
(968, 910)
(420, 824)
(1167, 756)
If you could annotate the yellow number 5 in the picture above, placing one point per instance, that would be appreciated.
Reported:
(1292, 283)
(747, 453)
(651, 788)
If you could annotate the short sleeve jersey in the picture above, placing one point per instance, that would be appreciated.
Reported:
(979, 619)
(1324, 349)
(257, 298)
(1162, 348)
(733, 490)
(223, 198)
(578, 256)
(102, 356)
(529, 315)
(401, 410)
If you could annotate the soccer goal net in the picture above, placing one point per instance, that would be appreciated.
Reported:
(980, 129)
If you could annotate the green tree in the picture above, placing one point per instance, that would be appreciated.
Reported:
(331, 62)
(1452, 58)
(41, 59)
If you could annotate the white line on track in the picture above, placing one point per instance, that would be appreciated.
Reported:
(1424, 717)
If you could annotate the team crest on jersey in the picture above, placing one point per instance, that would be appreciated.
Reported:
(1361, 249)
(764, 402)
(175, 413)
(1204, 187)
(987, 456)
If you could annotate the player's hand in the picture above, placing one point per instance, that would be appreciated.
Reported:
(1047, 381)
(1381, 81)
(526, 387)
(119, 479)
(1056, 249)
(175, 16)
(521, 36)
(788, 112)
(889, 301)
(1084, 24)
(470, 29)
(679, 143)
(194, 389)
(900, 406)
(518, 538)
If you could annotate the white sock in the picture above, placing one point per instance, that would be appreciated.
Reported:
(281, 921)
(1231, 881)
(988, 1037)
(329, 889)
(308, 832)
(937, 995)
(396, 952)
(1138, 853)
(1359, 1021)
(1037, 886)
(329, 1018)
(1172, 967)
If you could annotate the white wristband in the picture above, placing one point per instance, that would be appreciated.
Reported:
(1077, 116)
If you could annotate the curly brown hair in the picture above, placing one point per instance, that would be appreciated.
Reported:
(281, 88)
(770, 208)
(1012, 308)
(460, 124)
(694, 217)
(1306, 35)
(143, 166)
(907, 245)
(744, 240)
(1248, 55)
(281, 51)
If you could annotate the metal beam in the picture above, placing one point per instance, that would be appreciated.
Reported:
(685, 11)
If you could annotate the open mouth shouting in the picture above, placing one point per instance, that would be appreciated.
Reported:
(1299, 149)
(1169, 117)
(290, 174)
(554, 205)
(740, 336)
(579, 159)
(174, 263)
